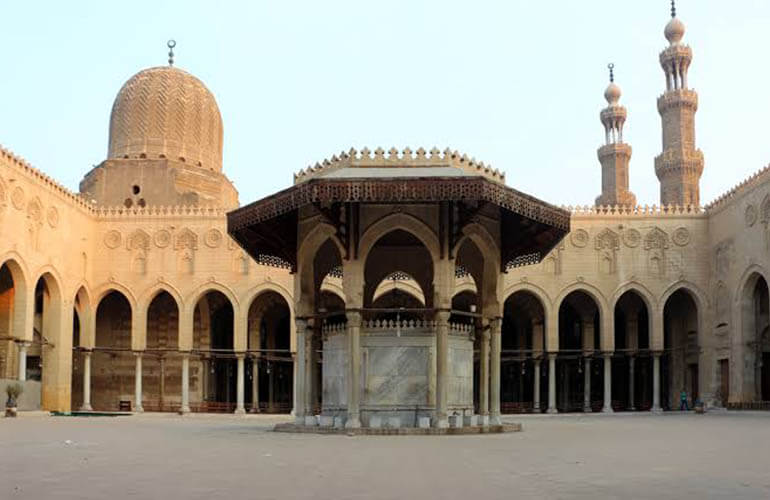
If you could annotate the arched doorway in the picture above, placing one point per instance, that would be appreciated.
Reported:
(755, 323)
(522, 384)
(632, 365)
(681, 350)
(579, 368)
(161, 367)
(269, 344)
(113, 364)
(213, 341)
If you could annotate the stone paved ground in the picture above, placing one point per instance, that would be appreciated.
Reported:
(210, 457)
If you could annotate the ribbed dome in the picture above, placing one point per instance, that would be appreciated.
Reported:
(165, 112)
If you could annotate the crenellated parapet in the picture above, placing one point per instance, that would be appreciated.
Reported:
(758, 177)
(635, 211)
(24, 168)
(160, 212)
(406, 158)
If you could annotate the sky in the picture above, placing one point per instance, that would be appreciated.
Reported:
(516, 84)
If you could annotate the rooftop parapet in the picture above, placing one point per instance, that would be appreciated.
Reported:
(632, 211)
(753, 180)
(25, 168)
(403, 159)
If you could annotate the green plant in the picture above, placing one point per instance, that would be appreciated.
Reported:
(13, 391)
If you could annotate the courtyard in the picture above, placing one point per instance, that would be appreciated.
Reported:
(673, 455)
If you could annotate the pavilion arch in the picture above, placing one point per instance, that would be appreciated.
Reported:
(334, 286)
(408, 286)
(306, 253)
(465, 284)
(399, 251)
(482, 248)
(404, 222)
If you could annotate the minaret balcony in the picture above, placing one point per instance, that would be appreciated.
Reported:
(614, 151)
(675, 53)
(679, 161)
(680, 98)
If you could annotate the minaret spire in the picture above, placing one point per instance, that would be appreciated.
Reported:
(680, 166)
(171, 44)
(615, 155)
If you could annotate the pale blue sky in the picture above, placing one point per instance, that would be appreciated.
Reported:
(515, 83)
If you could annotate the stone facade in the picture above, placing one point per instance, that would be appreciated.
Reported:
(152, 305)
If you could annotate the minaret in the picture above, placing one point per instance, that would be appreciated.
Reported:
(615, 154)
(680, 166)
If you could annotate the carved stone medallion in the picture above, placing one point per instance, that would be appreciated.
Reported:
(579, 238)
(112, 239)
(681, 236)
(631, 238)
(213, 238)
(162, 238)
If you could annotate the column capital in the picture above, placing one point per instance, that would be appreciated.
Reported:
(354, 317)
(240, 355)
(552, 355)
(137, 353)
(657, 354)
(23, 343)
(608, 354)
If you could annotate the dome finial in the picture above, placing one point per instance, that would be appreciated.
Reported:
(611, 66)
(171, 44)
(673, 8)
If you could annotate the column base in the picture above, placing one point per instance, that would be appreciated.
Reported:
(657, 410)
(587, 409)
(633, 408)
(495, 420)
(311, 421)
(184, 410)
(138, 409)
(608, 409)
(240, 411)
(86, 408)
(483, 420)
(299, 420)
(353, 423)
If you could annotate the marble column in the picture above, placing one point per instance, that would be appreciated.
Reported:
(552, 383)
(656, 382)
(536, 393)
(631, 384)
(607, 408)
(86, 382)
(484, 373)
(22, 361)
(299, 381)
(587, 407)
(138, 383)
(185, 408)
(255, 384)
(494, 382)
(354, 370)
(240, 385)
(441, 419)
(309, 365)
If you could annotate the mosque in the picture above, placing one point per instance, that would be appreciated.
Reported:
(405, 287)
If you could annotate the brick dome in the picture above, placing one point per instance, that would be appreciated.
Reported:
(165, 112)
